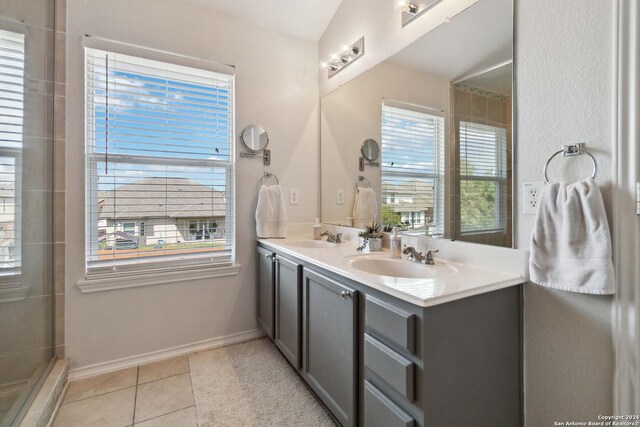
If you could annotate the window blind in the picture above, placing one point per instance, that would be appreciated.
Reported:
(159, 163)
(412, 167)
(12, 76)
(483, 176)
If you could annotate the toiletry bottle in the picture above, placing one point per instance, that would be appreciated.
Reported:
(317, 230)
(395, 244)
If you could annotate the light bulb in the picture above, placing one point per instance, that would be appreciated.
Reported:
(345, 48)
(400, 4)
(335, 57)
(406, 6)
(324, 65)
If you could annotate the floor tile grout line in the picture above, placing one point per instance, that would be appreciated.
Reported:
(123, 388)
(98, 395)
(164, 415)
(163, 378)
(193, 392)
(135, 396)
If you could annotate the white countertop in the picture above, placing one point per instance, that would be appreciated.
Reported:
(456, 280)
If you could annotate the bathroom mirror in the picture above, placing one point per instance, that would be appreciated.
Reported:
(254, 138)
(370, 150)
(441, 112)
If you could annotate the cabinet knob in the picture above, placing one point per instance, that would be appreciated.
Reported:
(345, 294)
(271, 257)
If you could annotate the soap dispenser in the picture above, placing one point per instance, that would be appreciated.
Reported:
(395, 244)
(317, 230)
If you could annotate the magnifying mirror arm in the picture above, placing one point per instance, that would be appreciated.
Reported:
(266, 156)
(362, 162)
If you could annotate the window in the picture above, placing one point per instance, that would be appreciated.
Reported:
(412, 167)
(483, 178)
(159, 152)
(12, 78)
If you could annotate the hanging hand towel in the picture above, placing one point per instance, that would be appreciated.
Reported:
(364, 207)
(271, 213)
(571, 243)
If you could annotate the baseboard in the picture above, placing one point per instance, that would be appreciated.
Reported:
(154, 356)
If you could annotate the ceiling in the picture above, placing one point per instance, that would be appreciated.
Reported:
(497, 80)
(307, 19)
(479, 37)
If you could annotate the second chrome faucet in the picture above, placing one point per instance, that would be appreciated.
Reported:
(415, 256)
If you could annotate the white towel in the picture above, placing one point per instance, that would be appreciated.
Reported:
(271, 212)
(364, 207)
(571, 243)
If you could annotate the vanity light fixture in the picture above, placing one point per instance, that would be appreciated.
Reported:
(344, 56)
(413, 9)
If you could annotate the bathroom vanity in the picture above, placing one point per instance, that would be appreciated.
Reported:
(394, 351)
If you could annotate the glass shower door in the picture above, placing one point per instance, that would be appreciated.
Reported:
(26, 158)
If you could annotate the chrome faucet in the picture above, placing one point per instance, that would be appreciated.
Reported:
(332, 238)
(415, 256)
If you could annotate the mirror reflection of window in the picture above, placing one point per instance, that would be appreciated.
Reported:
(483, 176)
(12, 75)
(412, 168)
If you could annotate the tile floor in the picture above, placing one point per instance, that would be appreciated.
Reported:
(153, 395)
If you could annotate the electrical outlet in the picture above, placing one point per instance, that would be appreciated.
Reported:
(531, 196)
(340, 197)
(293, 196)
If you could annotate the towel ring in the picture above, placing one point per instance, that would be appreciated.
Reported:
(269, 175)
(362, 179)
(571, 150)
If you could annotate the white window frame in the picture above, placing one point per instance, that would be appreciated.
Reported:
(501, 183)
(9, 275)
(104, 278)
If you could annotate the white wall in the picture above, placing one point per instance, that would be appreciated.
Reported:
(352, 114)
(276, 87)
(564, 94)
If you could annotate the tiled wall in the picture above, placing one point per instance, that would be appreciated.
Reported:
(59, 176)
(479, 106)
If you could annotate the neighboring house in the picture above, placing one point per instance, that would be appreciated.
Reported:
(172, 210)
(410, 199)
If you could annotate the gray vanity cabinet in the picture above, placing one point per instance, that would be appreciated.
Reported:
(288, 305)
(374, 360)
(330, 343)
(266, 290)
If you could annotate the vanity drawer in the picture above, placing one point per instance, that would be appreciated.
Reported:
(380, 411)
(392, 322)
(392, 368)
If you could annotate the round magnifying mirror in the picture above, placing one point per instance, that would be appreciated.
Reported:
(254, 138)
(370, 149)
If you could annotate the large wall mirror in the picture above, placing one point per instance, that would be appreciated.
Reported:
(441, 112)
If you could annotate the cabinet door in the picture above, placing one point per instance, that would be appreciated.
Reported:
(288, 309)
(266, 292)
(329, 343)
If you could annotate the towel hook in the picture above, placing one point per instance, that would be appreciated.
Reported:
(269, 175)
(362, 179)
(571, 150)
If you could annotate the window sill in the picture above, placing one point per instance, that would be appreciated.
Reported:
(120, 281)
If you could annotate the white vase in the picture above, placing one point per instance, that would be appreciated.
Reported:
(375, 244)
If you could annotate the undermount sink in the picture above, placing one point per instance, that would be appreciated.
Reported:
(311, 244)
(398, 268)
